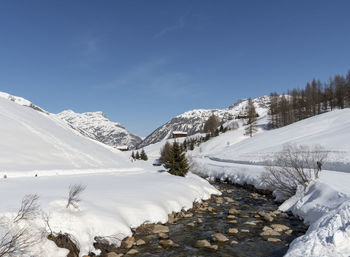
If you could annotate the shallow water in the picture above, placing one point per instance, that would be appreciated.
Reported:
(249, 244)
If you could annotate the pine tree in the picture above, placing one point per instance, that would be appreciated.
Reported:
(137, 156)
(143, 155)
(176, 163)
(133, 155)
(251, 115)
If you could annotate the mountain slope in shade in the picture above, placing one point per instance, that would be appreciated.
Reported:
(193, 121)
(97, 126)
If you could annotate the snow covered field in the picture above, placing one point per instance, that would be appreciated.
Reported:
(326, 203)
(119, 194)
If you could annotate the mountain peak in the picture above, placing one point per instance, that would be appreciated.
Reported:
(97, 126)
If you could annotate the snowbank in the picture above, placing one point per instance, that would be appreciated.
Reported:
(111, 205)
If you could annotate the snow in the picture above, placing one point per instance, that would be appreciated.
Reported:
(34, 142)
(112, 203)
(119, 195)
(325, 205)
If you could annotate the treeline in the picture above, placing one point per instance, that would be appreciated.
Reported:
(315, 98)
(191, 143)
(139, 156)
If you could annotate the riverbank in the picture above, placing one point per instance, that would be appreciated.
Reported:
(240, 222)
(324, 205)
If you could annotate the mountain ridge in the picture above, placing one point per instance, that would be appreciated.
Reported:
(192, 121)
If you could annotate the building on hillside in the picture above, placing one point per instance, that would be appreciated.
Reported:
(123, 148)
(177, 134)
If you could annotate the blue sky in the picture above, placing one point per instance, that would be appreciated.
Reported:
(143, 62)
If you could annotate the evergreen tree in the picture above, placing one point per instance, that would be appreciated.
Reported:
(251, 118)
(133, 155)
(176, 163)
(192, 145)
(143, 155)
(137, 156)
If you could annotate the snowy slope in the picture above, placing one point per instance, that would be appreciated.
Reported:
(193, 121)
(330, 130)
(33, 141)
(97, 126)
(21, 101)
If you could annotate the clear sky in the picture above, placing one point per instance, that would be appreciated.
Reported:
(143, 62)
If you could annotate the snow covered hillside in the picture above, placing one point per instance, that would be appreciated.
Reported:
(330, 130)
(32, 142)
(97, 126)
(193, 121)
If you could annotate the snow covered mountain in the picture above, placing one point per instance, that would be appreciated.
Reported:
(33, 142)
(193, 121)
(97, 126)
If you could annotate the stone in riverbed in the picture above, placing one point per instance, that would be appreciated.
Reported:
(245, 230)
(232, 222)
(271, 239)
(289, 232)
(163, 236)
(279, 227)
(267, 231)
(113, 254)
(166, 243)
(234, 242)
(140, 242)
(233, 211)
(127, 243)
(160, 229)
(191, 224)
(132, 252)
(200, 221)
(205, 244)
(214, 247)
(187, 215)
(231, 216)
(211, 209)
(250, 223)
(202, 244)
(219, 237)
(219, 200)
(266, 216)
(233, 231)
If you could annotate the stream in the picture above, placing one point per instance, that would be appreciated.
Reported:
(240, 222)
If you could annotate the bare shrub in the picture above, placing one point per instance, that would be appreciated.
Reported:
(295, 165)
(15, 238)
(74, 195)
(29, 208)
